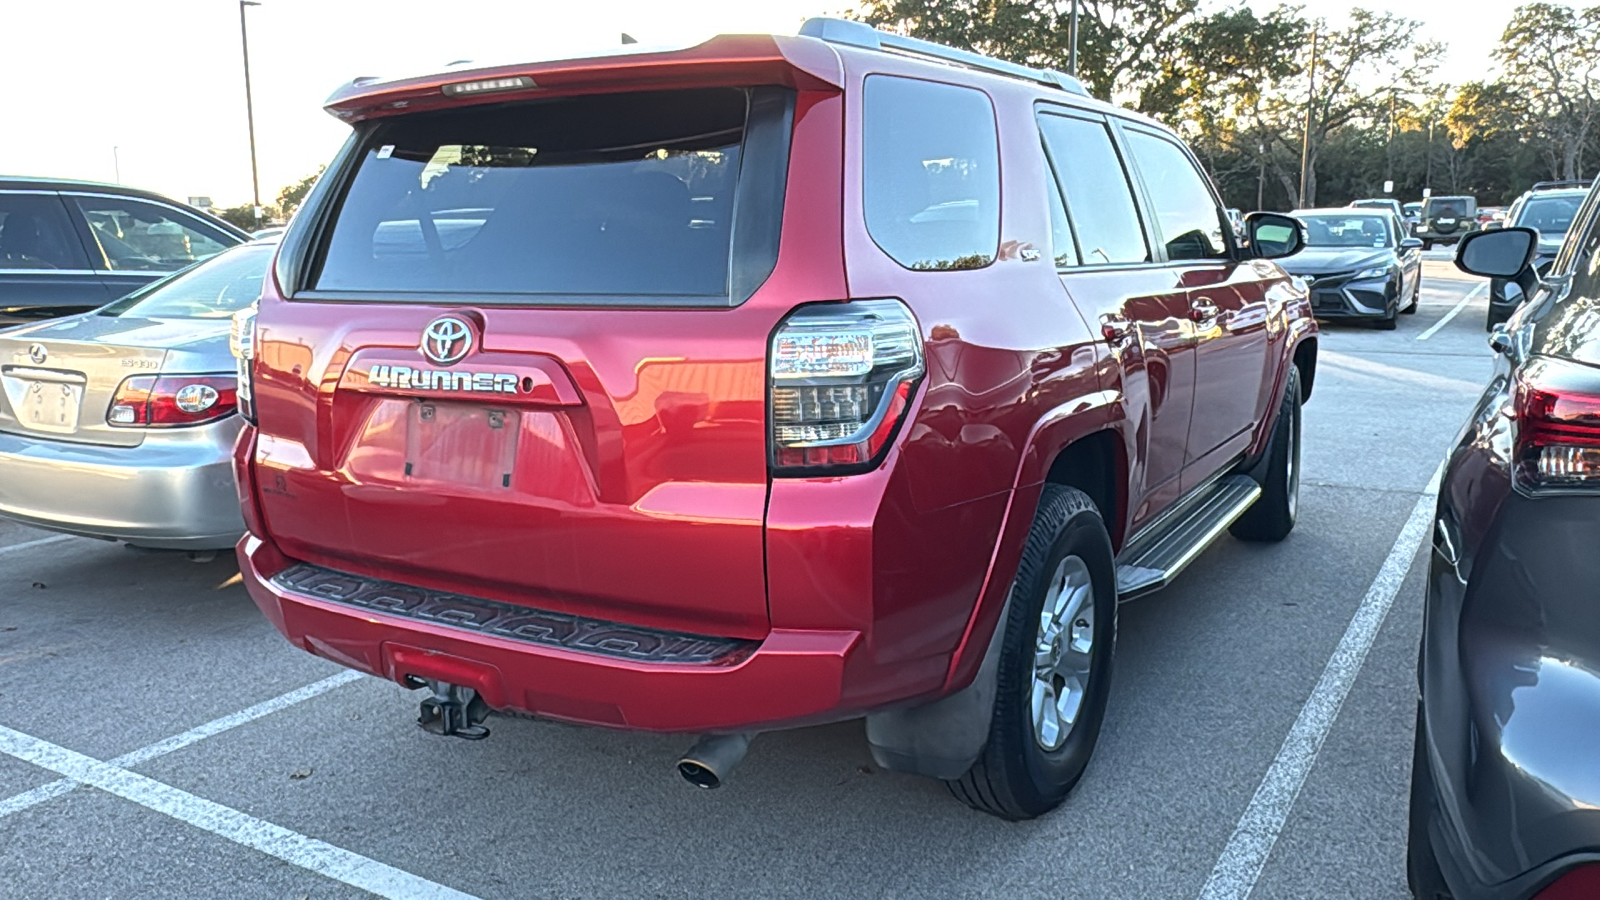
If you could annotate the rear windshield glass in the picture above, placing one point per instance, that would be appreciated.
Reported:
(629, 194)
(1346, 231)
(1551, 215)
(214, 289)
(1449, 206)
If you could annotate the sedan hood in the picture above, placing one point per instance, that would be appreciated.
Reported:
(1328, 260)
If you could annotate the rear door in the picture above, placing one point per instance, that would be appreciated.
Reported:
(43, 268)
(528, 359)
(1140, 305)
(1226, 301)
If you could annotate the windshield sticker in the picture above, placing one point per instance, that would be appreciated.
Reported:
(386, 151)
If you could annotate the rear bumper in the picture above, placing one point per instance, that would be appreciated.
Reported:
(791, 677)
(175, 490)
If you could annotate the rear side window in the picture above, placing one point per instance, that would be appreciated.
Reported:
(35, 233)
(1185, 208)
(135, 236)
(622, 195)
(1104, 216)
(930, 173)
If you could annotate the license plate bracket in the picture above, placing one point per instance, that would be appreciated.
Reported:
(461, 445)
(50, 406)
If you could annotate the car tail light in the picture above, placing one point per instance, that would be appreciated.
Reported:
(242, 343)
(841, 377)
(1558, 427)
(169, 401)
(1577, 884)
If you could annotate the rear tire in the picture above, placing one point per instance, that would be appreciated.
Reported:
(1273, 515)
(1416, 297)
(1033, 757)
(1427, 244)
(1423, 874)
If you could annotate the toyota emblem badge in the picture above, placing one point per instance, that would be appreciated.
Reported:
(36, 352)
(446, 340)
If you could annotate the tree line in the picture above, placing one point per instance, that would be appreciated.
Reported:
(1360, 99)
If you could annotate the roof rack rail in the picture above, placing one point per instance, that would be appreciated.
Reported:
(1557, 185)
(860, 34)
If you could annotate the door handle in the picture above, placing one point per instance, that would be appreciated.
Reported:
(1115, 328)
(1202, 310)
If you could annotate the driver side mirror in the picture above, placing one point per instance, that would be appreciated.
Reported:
(1274, 235)
(1411, 243)
(1501, 253)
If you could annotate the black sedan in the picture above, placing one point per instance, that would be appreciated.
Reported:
(71, 246)
(1505, 781)
(1359, 265)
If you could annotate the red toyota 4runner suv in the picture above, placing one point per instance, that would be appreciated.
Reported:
(773, 381)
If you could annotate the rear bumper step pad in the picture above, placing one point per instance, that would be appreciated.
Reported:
(504, 620)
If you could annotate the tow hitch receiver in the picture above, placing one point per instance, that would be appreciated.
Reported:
(454, 711)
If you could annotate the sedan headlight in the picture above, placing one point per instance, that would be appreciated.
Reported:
(1374, 272)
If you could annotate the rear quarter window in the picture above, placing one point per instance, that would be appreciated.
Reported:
(930, 171)
(614, 196)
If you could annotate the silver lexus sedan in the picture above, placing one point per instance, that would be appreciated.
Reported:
(120, 423)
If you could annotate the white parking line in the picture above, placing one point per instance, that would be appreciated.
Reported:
(1237, 869)
(38, 543)
(1433, 329)
(292, 847)
(50, 791)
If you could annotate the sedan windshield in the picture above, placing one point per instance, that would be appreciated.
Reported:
(1345, 230)
(214, 289)
(1551, 215)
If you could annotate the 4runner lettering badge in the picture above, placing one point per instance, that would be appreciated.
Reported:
(439, 380)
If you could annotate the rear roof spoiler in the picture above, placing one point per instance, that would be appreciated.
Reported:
(860, 34)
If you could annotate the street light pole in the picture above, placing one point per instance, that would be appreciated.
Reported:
(250, 113)
(116, 162)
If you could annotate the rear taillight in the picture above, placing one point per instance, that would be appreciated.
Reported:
(242, 342)
(171, 401)
(1557, 427)
(841, 376)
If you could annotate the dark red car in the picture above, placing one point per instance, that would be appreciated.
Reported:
(775, 381)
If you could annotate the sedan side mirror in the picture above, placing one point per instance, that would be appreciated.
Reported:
(1411, 243)
(1274, 235)
(1501, 253)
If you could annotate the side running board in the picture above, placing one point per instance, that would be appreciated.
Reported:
(1156, 556)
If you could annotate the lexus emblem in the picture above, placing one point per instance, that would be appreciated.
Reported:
(446, 340)
(36, 352)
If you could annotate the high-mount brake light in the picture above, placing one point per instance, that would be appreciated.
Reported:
(488, 86)
(841, 379)
(1557, 408)
(172, 401)
(242, 343)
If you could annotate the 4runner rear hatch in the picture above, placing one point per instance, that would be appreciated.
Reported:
(517, 349)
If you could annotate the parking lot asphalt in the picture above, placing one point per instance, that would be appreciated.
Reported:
(154, 683)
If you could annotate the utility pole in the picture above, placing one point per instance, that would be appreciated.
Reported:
(1389, 148)
(1072, 42)
(116, 163)
(1427, 180)
(1305, 146)
(250, 113)
(1261, 180)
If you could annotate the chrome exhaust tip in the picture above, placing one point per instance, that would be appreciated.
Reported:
(712, 759)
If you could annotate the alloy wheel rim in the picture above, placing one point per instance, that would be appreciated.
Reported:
(1063, 653)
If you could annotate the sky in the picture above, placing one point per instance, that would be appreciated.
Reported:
(151, 92)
